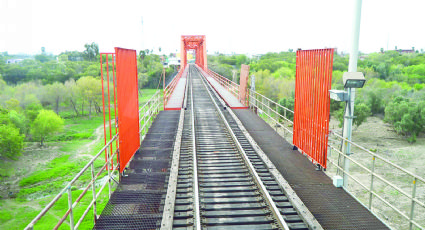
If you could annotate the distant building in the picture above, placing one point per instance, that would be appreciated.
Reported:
(13, 61)
(406, 51)
(174, 61)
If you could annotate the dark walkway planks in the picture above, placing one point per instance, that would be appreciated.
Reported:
(137, 201)
(331, 206)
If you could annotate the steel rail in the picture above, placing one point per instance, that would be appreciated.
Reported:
(195, 165)
(276, 213)
(305, 214)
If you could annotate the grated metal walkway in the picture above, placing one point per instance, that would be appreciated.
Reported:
(138, 200)
(177, 97)
(332, 207)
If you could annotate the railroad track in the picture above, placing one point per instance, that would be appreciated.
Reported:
(222, 182)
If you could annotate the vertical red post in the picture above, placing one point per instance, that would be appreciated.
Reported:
(103, 104)
(109, 107)
(204, 53)
(243, 84)
(114, 79)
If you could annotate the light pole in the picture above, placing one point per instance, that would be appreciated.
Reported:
(352, 80)
(352, 67)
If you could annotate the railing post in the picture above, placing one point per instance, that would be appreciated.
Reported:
(268, 108)
(371, 182)
(276, 112)
(262, 104)
(71, 215)
(144, 122)
(94, 192)
(412, 209)
(109, 172)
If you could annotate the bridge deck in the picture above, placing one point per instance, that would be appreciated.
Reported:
(136, 203)
(177, 97)
(332, 207)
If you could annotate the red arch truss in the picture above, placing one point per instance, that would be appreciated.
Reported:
(197, 43)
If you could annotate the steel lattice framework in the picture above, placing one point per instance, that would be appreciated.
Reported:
(197, 43)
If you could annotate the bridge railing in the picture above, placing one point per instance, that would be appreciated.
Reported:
(106, 177)
(391, 192)
(276, 114)
(148, 112)
(226, 83)
(91, 185)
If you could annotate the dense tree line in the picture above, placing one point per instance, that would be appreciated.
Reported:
(36, 92)
(394, 88)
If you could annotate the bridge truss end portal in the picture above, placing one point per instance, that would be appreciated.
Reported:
(197, 43)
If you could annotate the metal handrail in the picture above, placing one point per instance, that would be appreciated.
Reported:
(226, 83)
(373, 175)
(67, 188)
(230, 85)
(149, 109)
(147, 112)
(270, 108)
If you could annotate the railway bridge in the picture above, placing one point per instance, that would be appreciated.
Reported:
(209, 153)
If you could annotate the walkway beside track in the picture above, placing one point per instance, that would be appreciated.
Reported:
(230, 99)
(137, 202)
(177, 96)
(332, 207)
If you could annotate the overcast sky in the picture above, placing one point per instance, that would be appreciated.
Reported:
(230, 25)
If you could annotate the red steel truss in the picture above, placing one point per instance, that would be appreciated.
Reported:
(197, 43)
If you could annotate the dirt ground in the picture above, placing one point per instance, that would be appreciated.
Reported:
(377, 135)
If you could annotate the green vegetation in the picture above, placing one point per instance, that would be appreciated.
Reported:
(395, 86)
(69, 84)
(11, 142)
(46, 123)
(59, 95)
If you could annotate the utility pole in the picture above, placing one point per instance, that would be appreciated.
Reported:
(352, 67)
(142, 34)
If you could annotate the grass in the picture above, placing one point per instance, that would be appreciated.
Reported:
(15, 215)
(71, 146)
(44, 180)
(78, 128)
(145, 95)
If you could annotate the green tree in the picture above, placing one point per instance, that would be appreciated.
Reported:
(32, 110)
(42, 58)
(91, 52)
(412, 122)
(361, 113)
(11, 142)
(13, 104)
(14, 73)
(19, 120)
(408, 117)
(289, 104)
(46, 123)
(72, 95)
(90, 90)
(54, 95)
